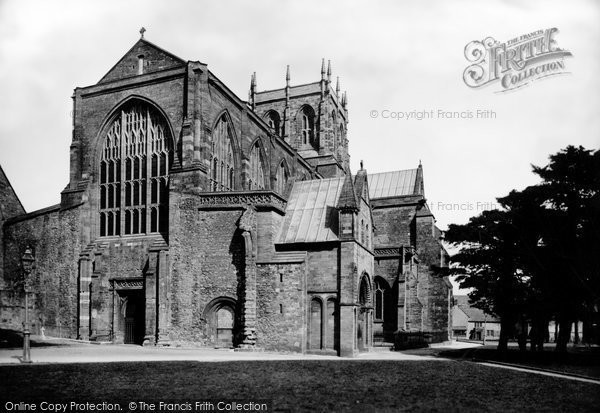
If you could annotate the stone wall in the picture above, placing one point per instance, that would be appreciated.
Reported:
(392, 226)
(54, 236)
(10, 206)
(116, 258)
(322, 268)
(207, 262)
(425, 291)
(281, 307)
(434, 289)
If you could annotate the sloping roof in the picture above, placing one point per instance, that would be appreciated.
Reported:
(474, 314)
(10, 205)
(156, 59)
(396, 183)
(311, 214)
(348, 198)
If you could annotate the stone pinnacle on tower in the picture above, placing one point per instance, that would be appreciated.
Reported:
(252, 93)
(323, 69)
(328, 71)
(337, 87)
(287, 76)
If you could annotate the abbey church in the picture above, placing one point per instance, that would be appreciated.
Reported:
(193, 217)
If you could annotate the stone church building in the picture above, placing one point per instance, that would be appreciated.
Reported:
(194, 217)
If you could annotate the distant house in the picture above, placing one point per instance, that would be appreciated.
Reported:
(470, 323)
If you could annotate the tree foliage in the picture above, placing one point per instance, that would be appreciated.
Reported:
(536, 259)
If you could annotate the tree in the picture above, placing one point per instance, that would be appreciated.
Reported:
(486, 263)
(537, 257)
(571, 185)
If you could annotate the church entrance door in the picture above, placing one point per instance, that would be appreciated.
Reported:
(221, 327)
(131, 325)
(224, 327)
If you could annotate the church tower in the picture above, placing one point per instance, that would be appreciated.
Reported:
(312, 118)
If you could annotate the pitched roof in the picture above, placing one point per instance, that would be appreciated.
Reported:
(10, 205)
(311, 214)
(348, 198)
(474, 314)
(396, 183)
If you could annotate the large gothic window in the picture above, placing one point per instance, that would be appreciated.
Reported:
(282, 178)
(134, 167)
(222, 164)
(257, 169)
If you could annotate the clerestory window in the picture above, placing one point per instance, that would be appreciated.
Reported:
(222, 164)
(257, 169)
(282, 178)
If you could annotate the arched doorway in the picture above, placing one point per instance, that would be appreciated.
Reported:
(225, 327)
(221, 322)
(363, 322)
(384, 312)
(132, 320)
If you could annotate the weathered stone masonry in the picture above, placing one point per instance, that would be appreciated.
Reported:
(193, 217)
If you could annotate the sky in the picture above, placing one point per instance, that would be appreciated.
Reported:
(391, 57)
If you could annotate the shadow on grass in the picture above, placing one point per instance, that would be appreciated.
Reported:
(580, 361)
(14, 339)
(304, 385)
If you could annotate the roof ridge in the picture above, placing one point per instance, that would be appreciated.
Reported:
(395, 170)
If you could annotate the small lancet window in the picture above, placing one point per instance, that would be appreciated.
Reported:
(141, 64)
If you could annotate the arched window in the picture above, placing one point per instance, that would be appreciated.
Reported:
(257, 168)
(222, 163)
(362, 231)
(364, 295)
(273, 120)
(307, 127)
(379, 299)
(138, 144)
(315, 330)
(282, 178)
(331, 324)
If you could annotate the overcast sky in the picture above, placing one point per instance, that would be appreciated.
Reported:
(390, 55)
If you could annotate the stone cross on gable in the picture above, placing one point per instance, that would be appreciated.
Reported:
(142, 31)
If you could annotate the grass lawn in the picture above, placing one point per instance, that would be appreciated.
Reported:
(305, 385)
(582, 361)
